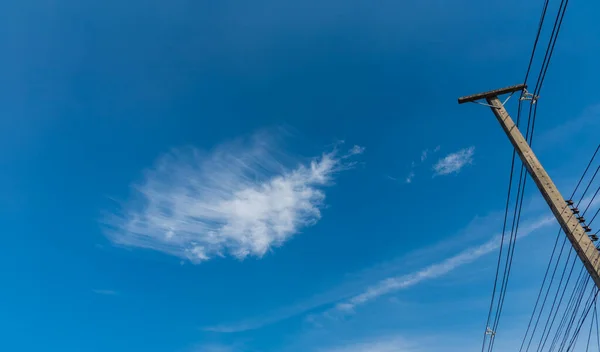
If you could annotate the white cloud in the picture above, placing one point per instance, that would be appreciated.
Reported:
(240, 200)
(357, 149)
(425, 154)
(411, 175)
(453, 163)
(396, 283)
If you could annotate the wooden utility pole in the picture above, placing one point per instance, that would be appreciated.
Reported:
(566, 215)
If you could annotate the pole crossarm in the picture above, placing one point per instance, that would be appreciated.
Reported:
(491, 93)
(569, 222)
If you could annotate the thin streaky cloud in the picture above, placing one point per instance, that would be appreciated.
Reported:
(340, 299)
(318, 303)
(241, 199)
(425, 154)
(454, 162)
(433, 271)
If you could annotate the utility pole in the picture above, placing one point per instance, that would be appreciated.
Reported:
(564, 211)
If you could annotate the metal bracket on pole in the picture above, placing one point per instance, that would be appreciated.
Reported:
(528, 96)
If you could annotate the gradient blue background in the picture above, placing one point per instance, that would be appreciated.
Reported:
(92, 92)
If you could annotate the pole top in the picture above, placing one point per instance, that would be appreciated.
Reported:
(491, 93)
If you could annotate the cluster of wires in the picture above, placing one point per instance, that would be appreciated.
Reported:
(563, 302)
(512, 214)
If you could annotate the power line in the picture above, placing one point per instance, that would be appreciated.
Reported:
(550, 323)
(537, 38)
(566, 322)
(504, 226)
(532, 115)
(573, 295)
(551, 44)
(512, 238)
(512, 167)
(546, 62)
(582, 319)
(596, 320)
(578, 287)
(533, 314)
(587, 347)
(585, 171)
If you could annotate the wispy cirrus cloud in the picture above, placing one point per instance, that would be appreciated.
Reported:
(386, 278)
(396, 283)
(241, 199)
(409, 177)
(454, 162)
(425, 154)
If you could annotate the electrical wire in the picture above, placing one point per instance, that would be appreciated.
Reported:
(596, 319)
(574, 294)
(532, 115)
(582, 319)
(533, 314)
(512, 238)
(546, 62)
(587, 346)
(537, 38)
(502, 238)
(529, 136)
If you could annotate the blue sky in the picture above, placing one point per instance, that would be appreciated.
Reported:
(272, 176)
